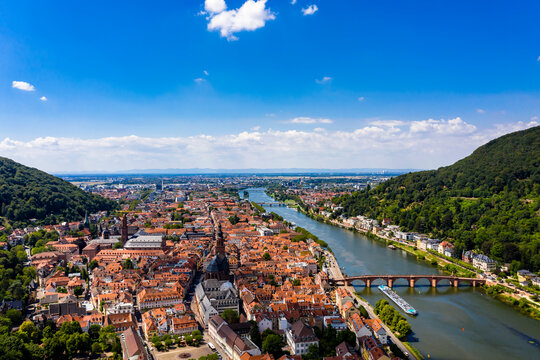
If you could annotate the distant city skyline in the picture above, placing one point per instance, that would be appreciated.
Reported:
(261, 84)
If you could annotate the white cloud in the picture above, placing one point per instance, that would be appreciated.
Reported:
(43, 98)
(293, 2)
(447, 127)
(361, 98)
(205, 72)
(22, 85)
(324, 80)
(381, 143)
(481, 111)
(538, 59)
(251, 16)
(534, 118)
(255, 128)
(199, 80)
(310, 10)
(390, 123)
(309, 120)
(215, 6)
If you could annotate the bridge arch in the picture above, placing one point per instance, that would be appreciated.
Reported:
(421, 281)
(401, 281)
(445, 282)
(358, 282)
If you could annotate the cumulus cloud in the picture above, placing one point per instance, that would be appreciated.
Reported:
(324, 80)
(214, 6)
(449, 127)
(252, 15)
(22, 85)
(309, 120)
(310, 10)
(381, 143)
(43, 98)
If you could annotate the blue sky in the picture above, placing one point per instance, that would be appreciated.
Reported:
(319, 83)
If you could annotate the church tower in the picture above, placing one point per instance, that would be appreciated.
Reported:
(218, 237)
(219, 266)
(124, 237)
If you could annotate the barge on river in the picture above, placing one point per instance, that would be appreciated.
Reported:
(398, 300)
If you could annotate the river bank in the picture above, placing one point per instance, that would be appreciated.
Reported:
(463, 319)
(334, 272)
(517, 302)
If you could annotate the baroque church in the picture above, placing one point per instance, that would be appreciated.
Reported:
(218, 268)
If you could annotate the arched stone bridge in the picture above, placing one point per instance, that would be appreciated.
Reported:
(411, 279)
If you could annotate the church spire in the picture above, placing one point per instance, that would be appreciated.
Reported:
(218, 237)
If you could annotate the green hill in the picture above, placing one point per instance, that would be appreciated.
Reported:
(27, 193)
(488, 201)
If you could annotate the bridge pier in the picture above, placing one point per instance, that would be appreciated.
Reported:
(412, 282)
(434, 282)
(390, 282)
(368, 283)
(455, 283)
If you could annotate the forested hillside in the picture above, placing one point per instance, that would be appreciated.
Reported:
(488, 201)
(27, 193)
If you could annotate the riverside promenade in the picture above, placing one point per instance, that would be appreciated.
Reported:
(335, 273)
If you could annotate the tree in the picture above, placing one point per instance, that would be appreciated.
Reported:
(117, 245)
(78, 291)
(267, 332)
(93, 331)
(266, 256)
(273, 344)
(15, 316)
(403, 328)
(255, 334)
(168, 343)
(296, 282)
(96, 348)
(34, 351)
(128, 264)
(93, 264)
(312, 353)
(363, 311)
(29, 330)
(346, 335)
(234, 219)
(230, 316)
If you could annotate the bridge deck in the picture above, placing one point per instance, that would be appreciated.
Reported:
(411, 279)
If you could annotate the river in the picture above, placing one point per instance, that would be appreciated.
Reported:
(452, 323)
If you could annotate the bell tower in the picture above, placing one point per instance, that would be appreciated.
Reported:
(124, 233)
(218, 237)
